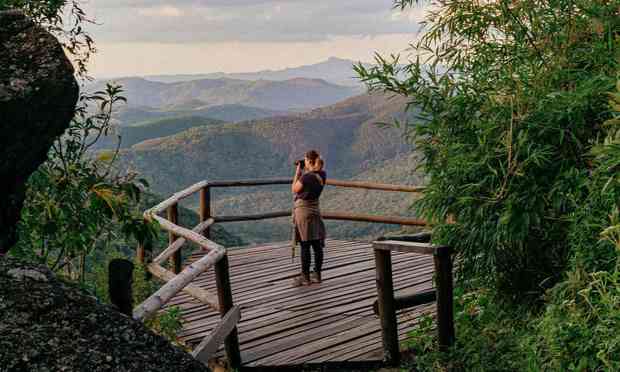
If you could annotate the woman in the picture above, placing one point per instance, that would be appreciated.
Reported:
(309, 227)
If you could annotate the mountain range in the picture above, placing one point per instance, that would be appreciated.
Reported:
(345, 133)
(334, 70)
(299, 94)
(181, 129)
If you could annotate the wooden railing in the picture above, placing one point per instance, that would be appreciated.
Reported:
(179, 279)
(387, 305)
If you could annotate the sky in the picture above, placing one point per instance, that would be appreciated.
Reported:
(146, 37)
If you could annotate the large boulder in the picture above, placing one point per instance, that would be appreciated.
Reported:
(49, 325)
(38, 93)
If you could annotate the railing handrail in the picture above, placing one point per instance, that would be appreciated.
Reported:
(387, 304)
(185, 193)
(216, 255)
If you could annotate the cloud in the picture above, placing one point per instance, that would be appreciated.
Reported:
(126, 59)
(200, 21)
(161, 11)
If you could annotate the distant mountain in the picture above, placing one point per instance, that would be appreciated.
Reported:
(297, 94)
(334, 70)
(345, 133)
(232, 113)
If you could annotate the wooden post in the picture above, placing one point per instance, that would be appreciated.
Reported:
(445, 311)
(176, 259)
(224, 293)
(205, 208)
(140, 254)
(144, 255)
(387, 308)
(120, 278)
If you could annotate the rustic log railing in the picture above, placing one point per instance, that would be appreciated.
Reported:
(387, 305)
(179, 279)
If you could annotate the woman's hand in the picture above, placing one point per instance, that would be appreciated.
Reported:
(298, 171)
(296, 186)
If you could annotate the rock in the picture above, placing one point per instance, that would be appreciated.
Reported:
(53, 326)
(38, 93)
(21, 274)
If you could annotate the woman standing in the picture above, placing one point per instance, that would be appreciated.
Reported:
(307, 186)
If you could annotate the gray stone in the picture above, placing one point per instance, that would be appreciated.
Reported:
(53, 325)
(21, 274)
(38, 93)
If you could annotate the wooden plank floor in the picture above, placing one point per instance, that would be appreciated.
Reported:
(328, 322)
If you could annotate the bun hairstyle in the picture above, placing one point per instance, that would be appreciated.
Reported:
(314, 158)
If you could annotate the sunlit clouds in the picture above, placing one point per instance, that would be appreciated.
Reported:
(143, 37)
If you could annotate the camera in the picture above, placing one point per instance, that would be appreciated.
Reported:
(301, 163)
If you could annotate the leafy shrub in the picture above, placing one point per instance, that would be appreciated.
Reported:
(167, 323)
(594, 237)
(488, 338)
(77, 204)
(512, 97)
(579, 331)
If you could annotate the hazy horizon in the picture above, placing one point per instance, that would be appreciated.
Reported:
(174, 37)
(104, 77)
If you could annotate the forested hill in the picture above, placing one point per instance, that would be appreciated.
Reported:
(297, 94)
(345, 133)
(132, 115)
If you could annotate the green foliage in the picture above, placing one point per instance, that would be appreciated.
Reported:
(489, 337)
(77, 204)
(167, 323)
(579, 330)
(512, 97)
(594, 232)
(97, 278)
(523, 150)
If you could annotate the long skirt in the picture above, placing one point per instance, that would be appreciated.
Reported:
(307, 221)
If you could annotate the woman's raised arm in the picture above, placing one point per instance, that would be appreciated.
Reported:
(297, 186)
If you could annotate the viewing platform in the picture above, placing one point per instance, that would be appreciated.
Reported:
(333, 321)
(372, 295)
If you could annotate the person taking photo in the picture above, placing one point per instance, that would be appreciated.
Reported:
(308, 184)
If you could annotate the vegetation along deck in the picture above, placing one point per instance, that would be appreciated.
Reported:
(328, 322)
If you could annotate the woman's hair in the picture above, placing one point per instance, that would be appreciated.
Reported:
(314, 158)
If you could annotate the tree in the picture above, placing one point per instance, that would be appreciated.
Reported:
(512, 98)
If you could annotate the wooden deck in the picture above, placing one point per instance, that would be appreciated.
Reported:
(328, 322)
